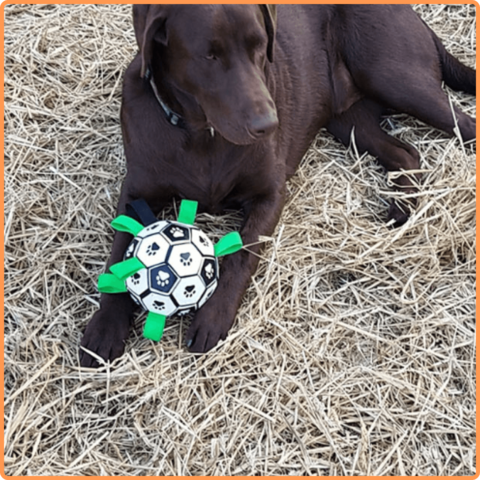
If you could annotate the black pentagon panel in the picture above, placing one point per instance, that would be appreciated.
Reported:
(131, 249)
(162, 279)
(209, 271)
(177, 233)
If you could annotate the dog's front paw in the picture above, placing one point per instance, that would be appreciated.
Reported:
(209, 326)
(105, 336)
(400, 213)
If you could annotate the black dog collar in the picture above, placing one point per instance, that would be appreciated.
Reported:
(172, 117)
(175, 119)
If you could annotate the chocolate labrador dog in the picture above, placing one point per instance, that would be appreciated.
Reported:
(222, 102)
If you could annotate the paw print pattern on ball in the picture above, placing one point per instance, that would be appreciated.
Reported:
(209, 271)
(177, 233)
(158, 305)
(153, 249)
(131, 249)
(202, 242)
(138, 283)
(189, 291)
(186, 259)
(162, 278)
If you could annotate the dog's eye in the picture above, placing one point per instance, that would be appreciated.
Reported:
(211, 56)
(255, 42)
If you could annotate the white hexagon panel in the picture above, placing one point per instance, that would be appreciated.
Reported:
(152, 250)
(185, 259)
(202, 242)
(138, 282)
(159, 303)
(188, 291)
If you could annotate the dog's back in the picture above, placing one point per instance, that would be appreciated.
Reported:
(331, 56)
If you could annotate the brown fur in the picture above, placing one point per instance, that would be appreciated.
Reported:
(266, 79)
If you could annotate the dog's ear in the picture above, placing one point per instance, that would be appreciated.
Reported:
(149, 26)
(270, 17)
(140, 13)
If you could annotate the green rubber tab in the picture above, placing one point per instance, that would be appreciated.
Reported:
(230, 243)
(108, 283)
(127, 268)
(123, 223)
(154, 326)
(188, 211)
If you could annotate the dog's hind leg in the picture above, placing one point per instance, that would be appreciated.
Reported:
(364, 117)
(416, 90)
(430, 105)
(397, 61)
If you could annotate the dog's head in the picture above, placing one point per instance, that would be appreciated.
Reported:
(215, 55)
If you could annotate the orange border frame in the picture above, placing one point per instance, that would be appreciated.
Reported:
(2, 183)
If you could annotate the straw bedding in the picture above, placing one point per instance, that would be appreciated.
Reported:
(353, 351)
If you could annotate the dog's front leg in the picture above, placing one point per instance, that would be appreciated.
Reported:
(214, 319)
(109, 327)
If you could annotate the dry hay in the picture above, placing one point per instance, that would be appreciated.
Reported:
(353, 351)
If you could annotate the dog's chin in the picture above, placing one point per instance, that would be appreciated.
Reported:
(234, 137)
(231, 131)
(238, 140)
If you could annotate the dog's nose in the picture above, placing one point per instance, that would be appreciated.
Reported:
(261, 126)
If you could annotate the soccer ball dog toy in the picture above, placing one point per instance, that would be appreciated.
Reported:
(169, 267)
